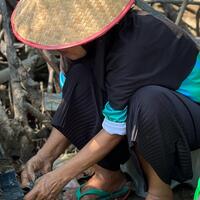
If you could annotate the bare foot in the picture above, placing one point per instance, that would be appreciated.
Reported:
(104, 179)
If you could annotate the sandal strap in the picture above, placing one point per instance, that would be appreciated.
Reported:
(92, 191)
(101, 193)
(124, 190)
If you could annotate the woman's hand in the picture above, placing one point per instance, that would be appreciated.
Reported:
(50, 185)
(34, 165)
(42, 162)
(47, 188)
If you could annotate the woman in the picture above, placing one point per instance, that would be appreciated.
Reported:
(131, 76)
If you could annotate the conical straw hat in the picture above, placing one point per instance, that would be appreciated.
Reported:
(59, 24)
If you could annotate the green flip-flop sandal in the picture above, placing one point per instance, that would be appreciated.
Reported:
(103, 195)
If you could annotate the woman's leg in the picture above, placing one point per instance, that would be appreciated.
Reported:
(108, 175)
(157, 189)
(164, 127)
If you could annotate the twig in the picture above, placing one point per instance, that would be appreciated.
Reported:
(37, 114)
(172, 14)
(53, 62)
(27, 64)
(181, 12)
(1, 20)
(2, 154)
(7, 134)
(4, 75)
(198, 22)
(5, 123)
(50, 80)
(192, 11)
(144, 6)
(50, 59)
(192, 2)
(13, 63)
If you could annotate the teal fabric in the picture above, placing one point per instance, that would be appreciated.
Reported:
(190, 87)
(62, 79)
(114, 115)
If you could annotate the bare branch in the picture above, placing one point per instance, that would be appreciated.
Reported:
(144, 6)
(37, 114)
(7, 135)
(172, 14)
(50, 59)
(192, 2)
(198, 22)
(26, 64)
(181, 12)
(13, 63)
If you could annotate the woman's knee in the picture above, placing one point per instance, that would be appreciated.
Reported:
(150, 98)
(149, 110)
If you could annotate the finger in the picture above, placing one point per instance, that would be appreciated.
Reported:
(24, 179)
(30, 172)
(47, 168)
(32, 195)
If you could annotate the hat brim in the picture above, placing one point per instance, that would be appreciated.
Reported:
(76, 43)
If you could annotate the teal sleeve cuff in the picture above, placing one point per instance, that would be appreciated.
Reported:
(113, 115)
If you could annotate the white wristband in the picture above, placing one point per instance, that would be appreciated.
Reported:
(114, 128)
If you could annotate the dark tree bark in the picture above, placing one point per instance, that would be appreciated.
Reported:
(16, 131)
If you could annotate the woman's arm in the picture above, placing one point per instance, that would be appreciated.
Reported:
(94, 151)
(43, 160)
(51, 184)
(54, 146)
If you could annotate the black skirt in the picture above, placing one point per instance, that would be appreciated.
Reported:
(163, 124)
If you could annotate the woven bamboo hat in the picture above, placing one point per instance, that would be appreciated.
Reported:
(59, 24)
